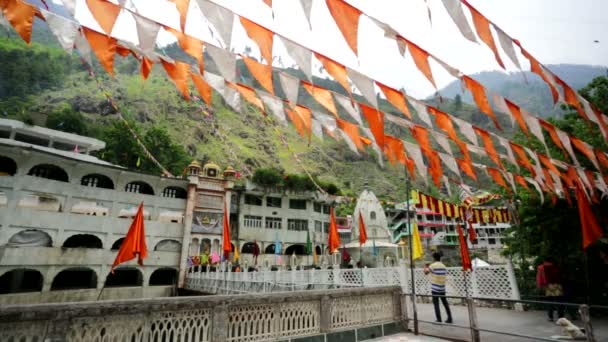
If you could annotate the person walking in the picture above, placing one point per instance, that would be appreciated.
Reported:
(438, 273)
(549, 280)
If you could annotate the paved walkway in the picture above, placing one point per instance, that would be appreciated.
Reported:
(531, 323)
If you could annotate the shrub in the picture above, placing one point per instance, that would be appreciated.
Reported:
(267, 177)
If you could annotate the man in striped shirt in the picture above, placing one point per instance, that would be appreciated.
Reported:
(438, 275)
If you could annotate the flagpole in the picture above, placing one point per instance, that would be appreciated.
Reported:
(409, 226)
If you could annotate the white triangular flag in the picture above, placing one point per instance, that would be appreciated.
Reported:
(351, 145)
(565, 140)
(147, 31)
(601, 184)
(501, 105)
(510, 156)
(301, 55)
(63, 29)
(398, 120)
(233, 99)
(307, 8)
(347, 104)
(507, 45)
(275, 105)
(421, 111)
(84, 49)
(70, 6)
(537, 187)
(446, 183)
(534, 128)
(326, 121)
(455, 11)
(443, 141)
(290, 86)
(551, 79)
(365, 86)
(317, 128)
(450, 162)
(451, 70)
(414, 153)
(221, 18)
(225, 62)
(467, 130)
(509, 177)
(368, 133)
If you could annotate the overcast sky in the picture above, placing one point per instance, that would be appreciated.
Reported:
(555, 31)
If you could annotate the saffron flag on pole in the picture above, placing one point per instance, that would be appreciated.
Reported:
(334, 238)
(464, 251)
(226, 245)
(589, 225)
(135, 241)
(236, 256)
(362, 231)
(417, 250)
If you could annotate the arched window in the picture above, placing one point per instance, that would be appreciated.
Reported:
(8, 167)
(318, 250)
(83, 241)
(126, 276)
(21, 280)
(163, 276)
(97, 181)
(194, 247)
(250, 248)
(116, 245)
(30, 238)
(372, 215)
(140, 188)
(175, 192)
(297, 249)
(269, 249)
(49, 171)
(168, 246)
(75, 278)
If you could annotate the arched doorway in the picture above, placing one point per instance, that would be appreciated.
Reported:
(139, 187)
(97, 181)
(83, 241)
(270, 249)
(250, 248)
(126, 276)
(116, 245)
(8, 167)
(75, 278)
(30, 238)
(297, 249)
(21, 280)
(163, 277)
(318, 250)
(49, 171)
(175, 192)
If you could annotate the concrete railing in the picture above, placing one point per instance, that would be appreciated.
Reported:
(494, 282)
(347, 315)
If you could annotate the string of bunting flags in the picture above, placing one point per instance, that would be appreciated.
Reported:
(465, 213)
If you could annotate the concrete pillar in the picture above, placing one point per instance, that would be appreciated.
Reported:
(191, 201)
(325, 321)
(219, 324)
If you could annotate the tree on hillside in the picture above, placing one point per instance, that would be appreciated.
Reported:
(67, 120)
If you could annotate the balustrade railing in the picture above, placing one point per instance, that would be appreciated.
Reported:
(259, 317)
(493, 282)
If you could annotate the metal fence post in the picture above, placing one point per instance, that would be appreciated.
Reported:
(586, 318)
(473, 320)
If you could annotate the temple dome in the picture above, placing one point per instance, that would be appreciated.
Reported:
(373, 216)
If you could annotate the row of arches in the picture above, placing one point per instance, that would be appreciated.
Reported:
(54, 172)
(38, 238)
(76, 278)
(297, 249)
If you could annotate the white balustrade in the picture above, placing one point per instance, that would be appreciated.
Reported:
(496, 282)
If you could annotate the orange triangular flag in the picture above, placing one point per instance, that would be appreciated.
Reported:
(497, 177)
(422, 137)
(250, 96)
(182, 8)
(261, 36)
(536, 68)
(444, 122)
(465, 166)
(464, 251)
(261, 72)
(352, 131)
(394, 147)
(375, 118)
(334, 238)
(321, 95)
(105, 13)
(146, 67)
(336, 70)
(522, 158)
(104, 48)
(347, 19)
(302, 119)
(178, 73)
(21, 16)
(190, 45)
(590, 227)
(516, 112)
(553, 134)
(482, 26)
(268, 3)
(421, 59)
(479, 95)
(396, 98)
(488, 145)
(521, 181)
(134, 243)
(226, 244)
(362, 231)
(435, 167)
(204, 89)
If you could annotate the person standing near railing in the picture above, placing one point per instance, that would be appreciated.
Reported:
(438, 273)
(549, 280)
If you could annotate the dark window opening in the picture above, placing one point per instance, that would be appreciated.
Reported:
(97, 181)
(297, 204)
(30, 139)
(326, 209)
(8, 167)
(491, 241)
(250, 248)
(21, 280)
(31, 238)
(270, 249)
(140, 188)
(75, 278)
(253, 200)
(316, 207)
(50, 172)
(273, 202)
(163, 276)
(295, 224)
(297, 249)
(116, 245)
(372, 215)
(175, 192)
(318, 250)
(125, 277)
(83, 241)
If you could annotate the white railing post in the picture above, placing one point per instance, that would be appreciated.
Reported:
(403, 275)
(513, 282)
(293, 278)
(336, 271)
(474, 283)
(311, 278)
(364, 277)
